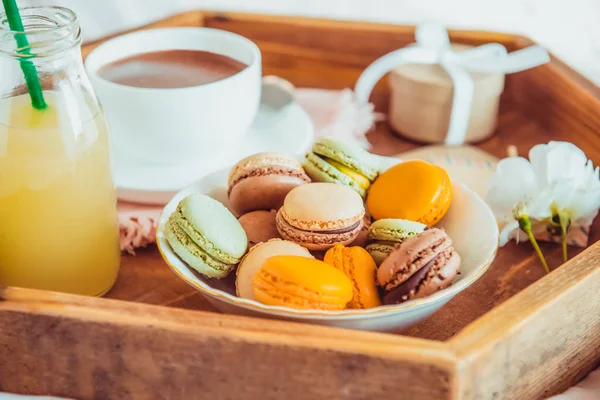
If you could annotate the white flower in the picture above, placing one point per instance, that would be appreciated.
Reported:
(512, 194)
(565, 175)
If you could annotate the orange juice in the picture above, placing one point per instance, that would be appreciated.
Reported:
(58, 221)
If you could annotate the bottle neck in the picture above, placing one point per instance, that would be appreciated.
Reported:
(51, 33)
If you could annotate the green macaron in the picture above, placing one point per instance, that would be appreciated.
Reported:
(379, 250)
(340, 162)
(388, 232)
(206, 235)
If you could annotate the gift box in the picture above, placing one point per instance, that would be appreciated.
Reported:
(421, 98)
(442, 92)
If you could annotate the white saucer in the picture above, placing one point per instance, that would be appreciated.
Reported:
(288, 130)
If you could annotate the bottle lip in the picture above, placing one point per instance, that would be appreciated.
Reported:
(44, 25)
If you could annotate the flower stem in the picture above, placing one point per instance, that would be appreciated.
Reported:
(525, 225)
(564, 224)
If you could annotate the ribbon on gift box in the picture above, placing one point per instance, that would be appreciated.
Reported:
(433, 47)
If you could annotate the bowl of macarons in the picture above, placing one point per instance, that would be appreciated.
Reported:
(340, 237)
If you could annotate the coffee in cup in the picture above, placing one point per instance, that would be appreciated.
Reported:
(169, 69)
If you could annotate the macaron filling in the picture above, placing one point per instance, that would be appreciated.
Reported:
(261, 160)
(179, 220)
(321, 171)
(340, 230)
(356, 176)
(320, 226)
(347, 154)
(310, 238)
(181, 241)
(400, 293)
(420, 259)
(266, 171)
(409, 288)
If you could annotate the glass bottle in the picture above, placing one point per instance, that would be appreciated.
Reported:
(58, 216)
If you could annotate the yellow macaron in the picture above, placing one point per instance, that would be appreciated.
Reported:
(301, 283)
(358, 265)
(414, 190)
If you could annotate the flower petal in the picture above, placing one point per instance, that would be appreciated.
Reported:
(512, 183)
(538, 157)
(558, 161)
(508, 232)
(539, 208)
(583, 206)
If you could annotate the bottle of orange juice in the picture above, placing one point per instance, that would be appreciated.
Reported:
(58, 220)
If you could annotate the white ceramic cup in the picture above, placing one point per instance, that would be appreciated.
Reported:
(179, 125)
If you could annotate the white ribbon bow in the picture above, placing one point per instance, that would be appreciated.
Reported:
(433, 47)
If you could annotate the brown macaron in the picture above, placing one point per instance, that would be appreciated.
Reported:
(261, 181)
(259, 226)
(419, 267)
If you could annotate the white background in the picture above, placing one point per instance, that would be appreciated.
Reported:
(569, 28)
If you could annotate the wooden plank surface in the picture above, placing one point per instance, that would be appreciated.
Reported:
(559, 342)
(56, 344)
(145, 278)
(318, 53)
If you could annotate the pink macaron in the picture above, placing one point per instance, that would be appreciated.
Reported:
(261, 181)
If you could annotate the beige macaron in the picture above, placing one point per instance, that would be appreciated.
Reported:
(255, 258)
(321, 215)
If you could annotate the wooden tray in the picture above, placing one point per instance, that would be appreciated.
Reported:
(515, 334)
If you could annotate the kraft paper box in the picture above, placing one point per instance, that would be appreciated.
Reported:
(421, 99)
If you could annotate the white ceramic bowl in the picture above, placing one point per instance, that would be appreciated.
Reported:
(469, 222)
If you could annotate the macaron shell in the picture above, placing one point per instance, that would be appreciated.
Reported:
(302, 283)
(255, 258)
(357, 177)
(259, 226)
(262, 160)
(177, 219)
(395, 229)
(348, 154)
(322, 207)
(212, 227)
(436, 275)
(410, 256)
(320, 170)
(358, 265)
(441, 279)
(193, 255)
(409, 190)
(380, 250)
(261, 192)
(313, 240)
(442, 204)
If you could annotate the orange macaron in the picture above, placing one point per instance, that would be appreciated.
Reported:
(414, 190)
(301, 283)
(358, 265)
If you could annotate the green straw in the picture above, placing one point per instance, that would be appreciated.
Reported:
(31, 77)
